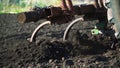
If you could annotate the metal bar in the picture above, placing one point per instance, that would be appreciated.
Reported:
(33, 36)
(63, 5)
(70, 26)
(70, 5)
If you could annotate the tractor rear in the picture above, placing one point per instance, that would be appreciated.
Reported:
(106, 29)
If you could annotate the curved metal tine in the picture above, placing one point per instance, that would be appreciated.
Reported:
(70, 26)
(33, 36)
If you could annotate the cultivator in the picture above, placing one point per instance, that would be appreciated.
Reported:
(97, 10)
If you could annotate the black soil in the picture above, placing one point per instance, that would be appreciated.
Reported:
(49, 51)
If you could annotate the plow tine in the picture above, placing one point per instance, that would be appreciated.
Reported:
(33, 36)
(70, 26)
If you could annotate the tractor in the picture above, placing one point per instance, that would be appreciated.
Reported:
(106, 12)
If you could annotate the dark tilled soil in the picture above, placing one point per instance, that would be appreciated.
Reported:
(49, 51)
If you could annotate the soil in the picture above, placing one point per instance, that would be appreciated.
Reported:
(49, 51)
